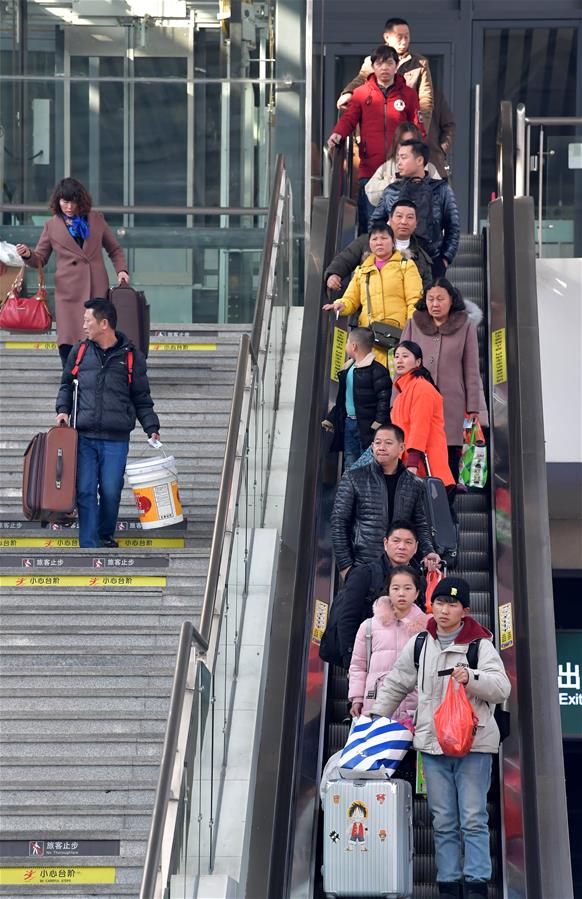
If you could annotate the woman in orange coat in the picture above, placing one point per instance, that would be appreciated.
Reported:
(418, 410)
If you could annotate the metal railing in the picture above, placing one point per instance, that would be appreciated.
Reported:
(249, 442)
(526, 162)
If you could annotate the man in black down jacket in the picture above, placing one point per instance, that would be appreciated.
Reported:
(439, 226)
(370, 497)
(113, 391)
(364, 584)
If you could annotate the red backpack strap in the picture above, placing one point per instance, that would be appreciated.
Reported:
(80, 354)
(129, 366)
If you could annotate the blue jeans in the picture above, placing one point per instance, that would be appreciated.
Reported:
(352, 443)
(365, 208)
(457, 798)
(100, 469)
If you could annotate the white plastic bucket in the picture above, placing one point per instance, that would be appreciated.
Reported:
(155, 489)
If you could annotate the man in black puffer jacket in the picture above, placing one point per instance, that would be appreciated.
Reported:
(369, 498)
(113, 391)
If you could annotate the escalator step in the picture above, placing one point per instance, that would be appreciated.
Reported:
(481, 604)
(474, 541)
(473, 521)
(339, 684)
(337, 736)
(473, 561)
(340, 708)
(472, 502)
(477, 580)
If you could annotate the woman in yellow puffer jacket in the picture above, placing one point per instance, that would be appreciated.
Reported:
(394, 284)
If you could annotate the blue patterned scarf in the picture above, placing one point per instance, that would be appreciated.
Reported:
(78, 227)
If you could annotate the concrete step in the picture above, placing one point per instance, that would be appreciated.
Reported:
(37, 659)
(86, 631)
(60, 795)
(14, 707)
(89, 820)
(118, 684)
(85, 747)
(136, 724)
(70, 770)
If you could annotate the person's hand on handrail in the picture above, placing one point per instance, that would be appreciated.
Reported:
(338, 306)
(333, 141)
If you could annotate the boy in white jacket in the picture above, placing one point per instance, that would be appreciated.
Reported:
(457, 787)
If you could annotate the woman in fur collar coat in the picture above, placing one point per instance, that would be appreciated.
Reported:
(445, 328)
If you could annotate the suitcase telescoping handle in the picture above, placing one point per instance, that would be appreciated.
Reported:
(73, 417)
(60, 460)
(426, 465)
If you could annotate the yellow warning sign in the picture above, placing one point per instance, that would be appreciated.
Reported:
(505, 626)
(29, 345)
(208, 347)
(81, 580)
(42, 875)
(338, 352)
(498, 357)
(73, 542)
(319, 621)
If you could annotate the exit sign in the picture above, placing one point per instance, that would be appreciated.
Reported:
(569, 649)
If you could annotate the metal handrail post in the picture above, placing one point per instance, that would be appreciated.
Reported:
(224, 490)
(163, 789)
(540, 193)
(520, 159)
(476, 157)
(527, 157)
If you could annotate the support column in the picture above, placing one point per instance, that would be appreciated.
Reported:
(293, 51)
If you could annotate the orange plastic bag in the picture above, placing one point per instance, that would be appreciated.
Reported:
(432, 578)
(455, 721)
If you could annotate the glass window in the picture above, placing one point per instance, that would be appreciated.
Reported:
(534, 66)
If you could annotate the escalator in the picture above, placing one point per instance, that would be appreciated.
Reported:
(474, 513)
(504, 555)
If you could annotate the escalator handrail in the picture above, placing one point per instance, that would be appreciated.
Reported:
(545, 823)
(271, 820)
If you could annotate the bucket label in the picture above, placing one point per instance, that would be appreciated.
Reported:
(160, 502)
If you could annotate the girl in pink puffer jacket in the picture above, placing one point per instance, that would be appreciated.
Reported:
(396, 619)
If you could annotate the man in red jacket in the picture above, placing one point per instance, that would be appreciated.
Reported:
(378, 106)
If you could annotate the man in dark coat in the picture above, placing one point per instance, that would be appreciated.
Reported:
(113, 391)
(364, 584)
(363, 399)
(439, 228)
(441, 133)
(370, 497)
(403, 222)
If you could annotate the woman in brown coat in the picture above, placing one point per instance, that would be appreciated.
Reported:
(448, 338)
(77, 234)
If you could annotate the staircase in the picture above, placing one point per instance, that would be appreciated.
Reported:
(474, 564)
(89, 637)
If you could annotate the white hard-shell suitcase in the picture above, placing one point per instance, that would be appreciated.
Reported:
(367, 839)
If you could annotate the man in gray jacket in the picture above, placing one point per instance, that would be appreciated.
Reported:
(457, 786)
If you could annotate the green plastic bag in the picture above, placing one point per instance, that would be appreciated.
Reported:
(473, 468)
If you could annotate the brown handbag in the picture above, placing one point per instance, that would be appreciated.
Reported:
(26, 313)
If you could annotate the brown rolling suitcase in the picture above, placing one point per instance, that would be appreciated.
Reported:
(50, 474)
(133, 315)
